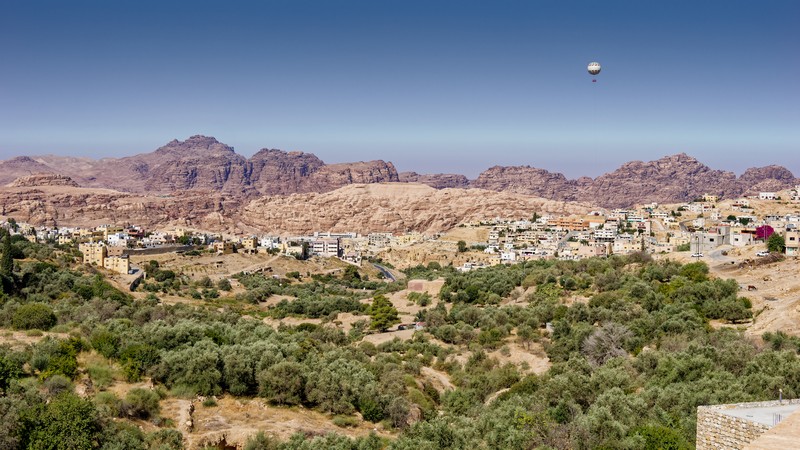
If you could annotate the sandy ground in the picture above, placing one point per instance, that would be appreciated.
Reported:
(466, 234)
(776, 299)
(232, 421)
(225, 266)
(20, 339)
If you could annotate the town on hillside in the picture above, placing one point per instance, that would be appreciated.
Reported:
(704, 228)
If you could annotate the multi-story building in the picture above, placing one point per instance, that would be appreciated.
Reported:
(93, 253)
(119, 264)
(249, 244)
(325, 247)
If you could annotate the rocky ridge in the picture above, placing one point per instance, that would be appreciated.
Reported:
(202, 163)
(44, 179)
(437, 181)
(671, 179)
(394, 207)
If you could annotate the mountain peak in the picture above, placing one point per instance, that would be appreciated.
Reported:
(194, 145)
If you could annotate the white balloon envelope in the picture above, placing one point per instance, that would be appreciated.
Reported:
(593, 68)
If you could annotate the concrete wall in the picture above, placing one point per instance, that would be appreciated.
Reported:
(719, 431)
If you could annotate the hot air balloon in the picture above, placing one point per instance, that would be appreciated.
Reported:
(594, 69)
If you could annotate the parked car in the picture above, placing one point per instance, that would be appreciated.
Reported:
(697, 255)
(762, 253)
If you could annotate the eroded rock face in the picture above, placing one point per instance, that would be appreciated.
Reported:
(527, 180)
(73, 206)
(278, 172)
(436, 181)
(395, 207)
(675, 178)
(44, 179)
(202, 163)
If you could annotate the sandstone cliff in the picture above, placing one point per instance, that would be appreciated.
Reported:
(44, 179)
(203, 163)
(394, 207)
(671, 179)
(437, 181)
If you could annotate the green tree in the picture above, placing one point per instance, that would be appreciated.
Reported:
(283, 383)
(776, 243)
(67, 423)
(9, 370)
(462, 246)
(383, 313)
(224, 285)
(7, 262)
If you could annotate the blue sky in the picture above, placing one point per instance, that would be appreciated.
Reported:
(433, 86)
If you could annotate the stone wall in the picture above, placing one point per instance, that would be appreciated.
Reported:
(719, 431)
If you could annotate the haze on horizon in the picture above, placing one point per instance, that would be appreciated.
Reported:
(446, 86)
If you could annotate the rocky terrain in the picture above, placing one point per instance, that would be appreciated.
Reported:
(205, 164)
(671, 179)
(438, 180)
(202, 163)
(44, 179)
(395, 207)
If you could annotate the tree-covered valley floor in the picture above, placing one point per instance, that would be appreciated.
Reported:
(302, 361)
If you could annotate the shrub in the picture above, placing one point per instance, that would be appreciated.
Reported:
(34, 315)
(140, 403)
(345, 421)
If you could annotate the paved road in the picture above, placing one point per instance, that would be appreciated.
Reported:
(717, 256)
(388, 274)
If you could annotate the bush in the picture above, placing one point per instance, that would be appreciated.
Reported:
(140, 403)
(34, 315)
(345, 421)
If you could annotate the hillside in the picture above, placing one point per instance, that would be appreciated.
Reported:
(395, 207)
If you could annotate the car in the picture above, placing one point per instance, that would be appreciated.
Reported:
(697, 255)
(763, 253)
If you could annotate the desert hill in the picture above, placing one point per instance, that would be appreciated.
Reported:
(202, 163)
(395, 207)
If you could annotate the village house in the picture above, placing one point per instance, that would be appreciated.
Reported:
(792, 239)
(379, 239)
(767, 196)
(249, 244)
(223, 247)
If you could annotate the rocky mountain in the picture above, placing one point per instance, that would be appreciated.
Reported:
(437, 181)
(21, 166)
(527, 180)
(674, 178)
(202, 163)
